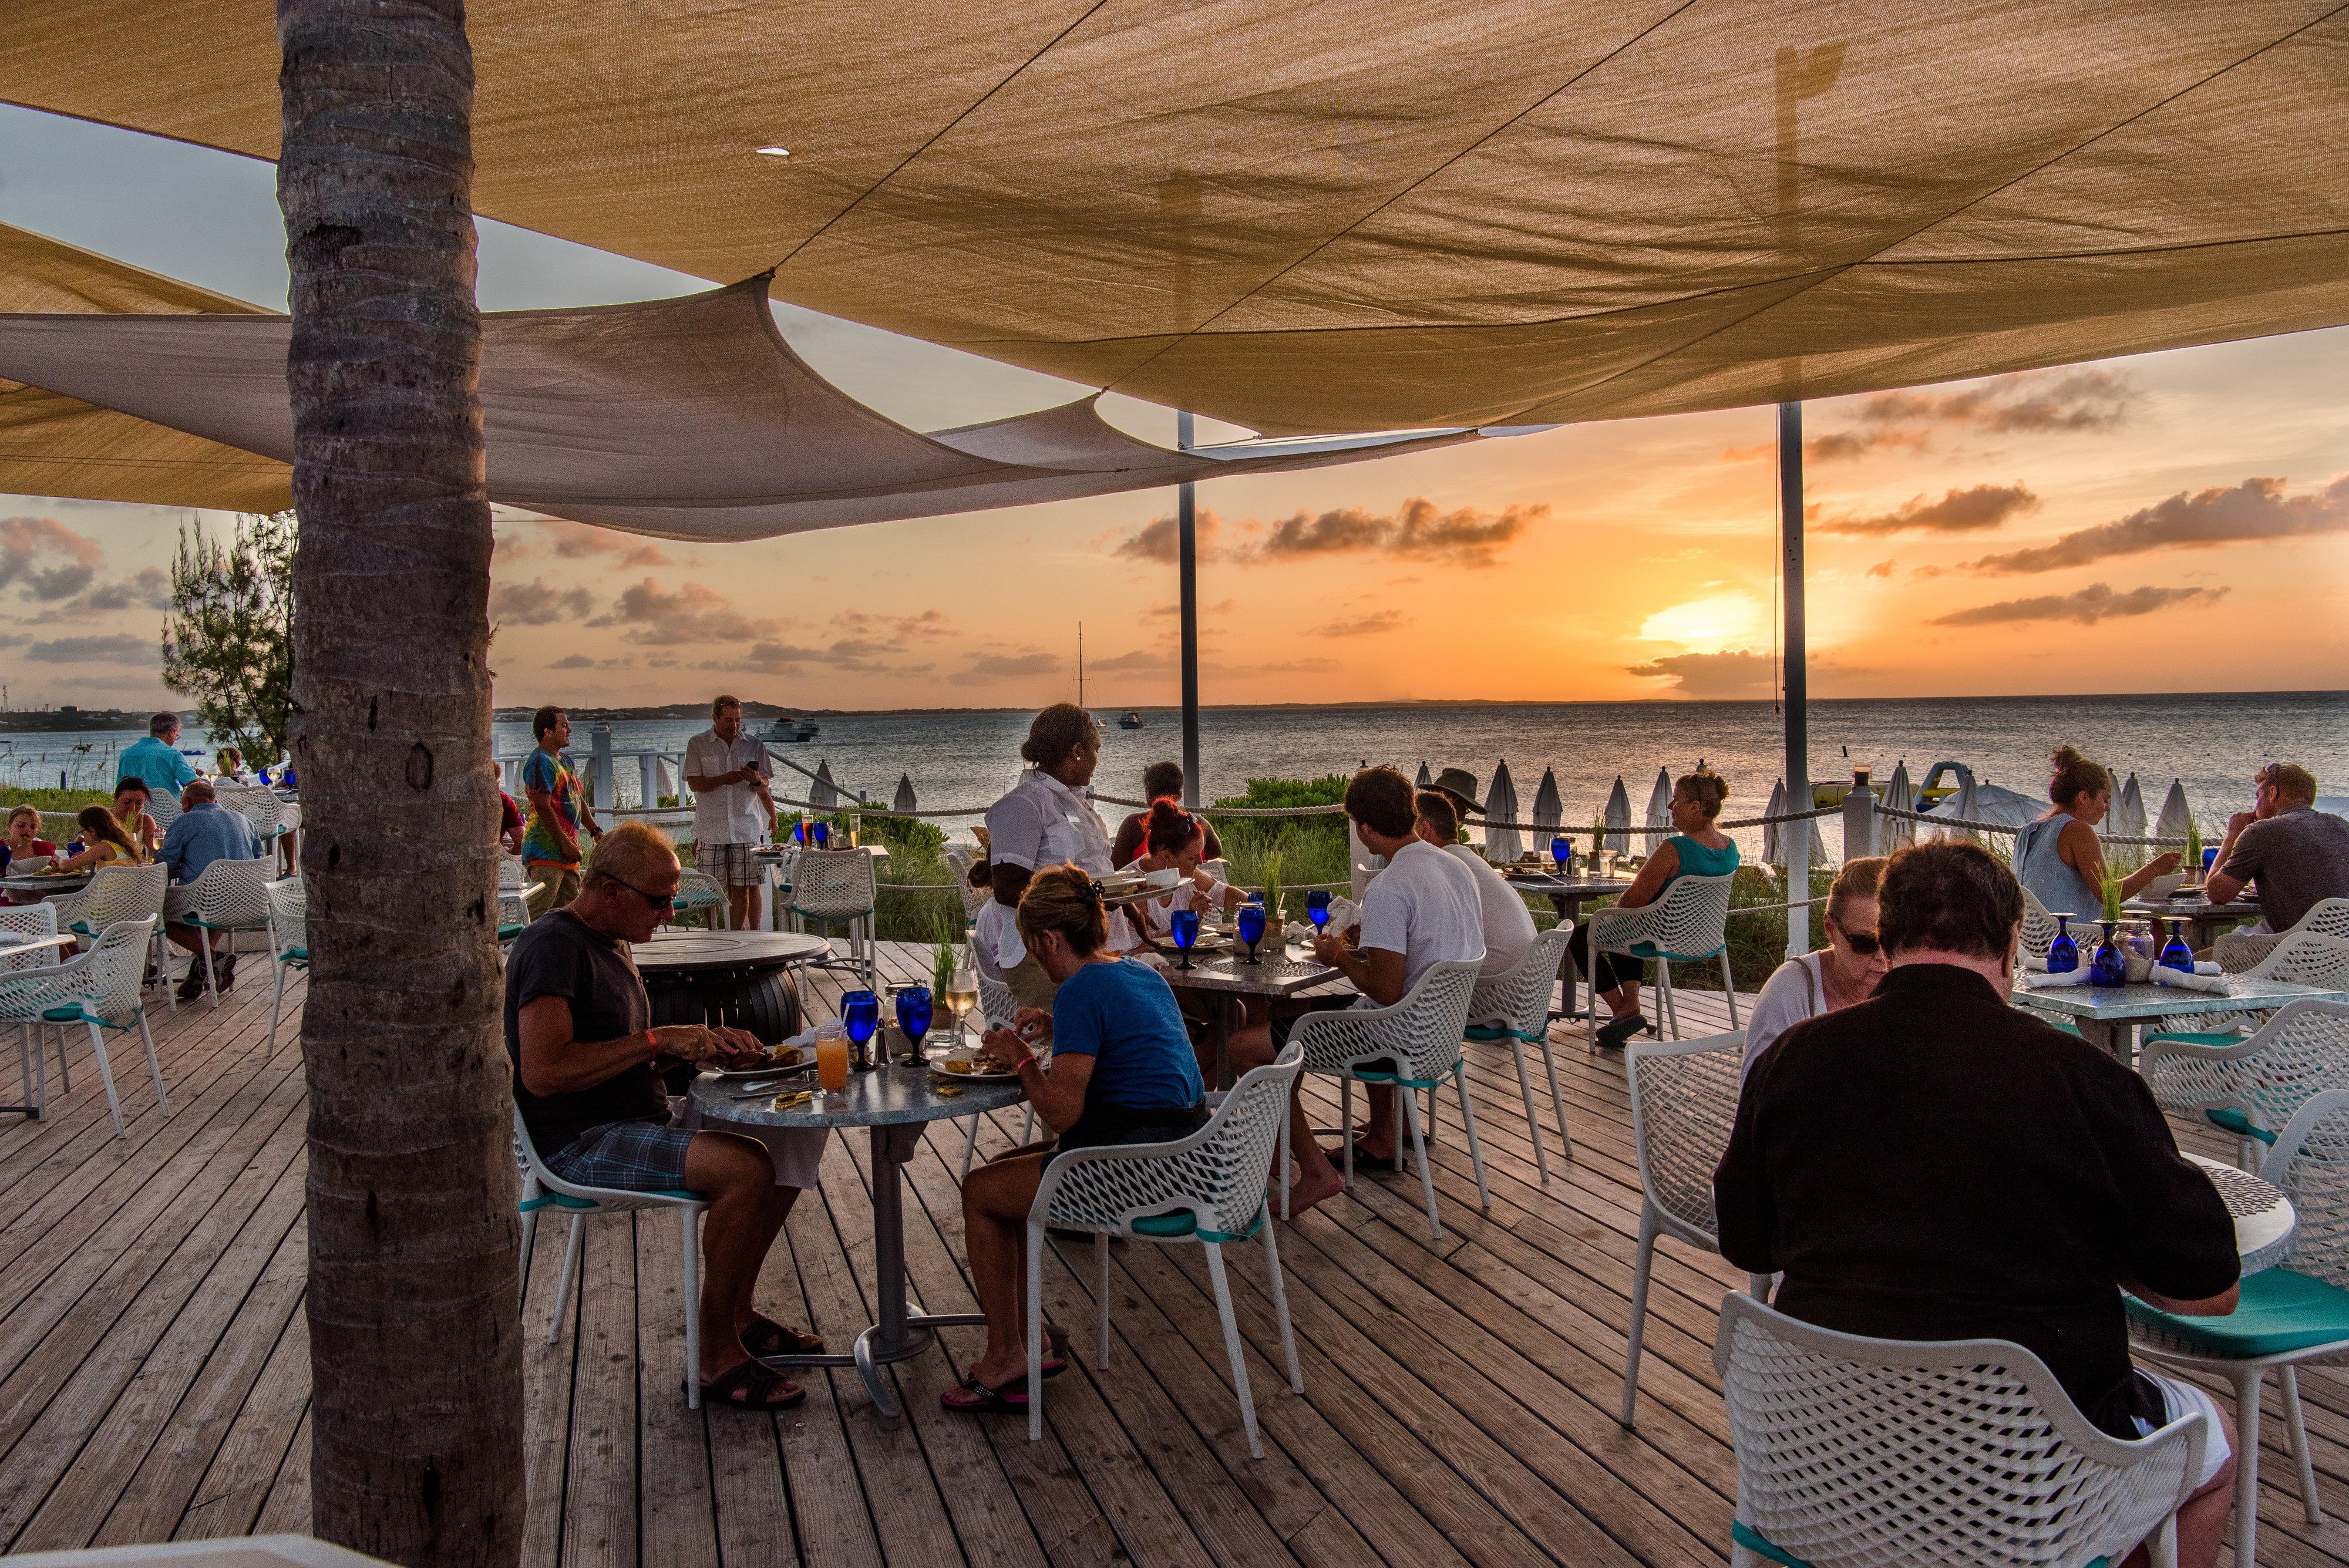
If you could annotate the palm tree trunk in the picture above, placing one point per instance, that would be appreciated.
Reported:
(415, 1343)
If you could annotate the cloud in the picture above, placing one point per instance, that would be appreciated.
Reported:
(572, 661)
(1002, 666)
(2254, 510)
(1956, 511)
(1160, 539)
(2033, 404)
(1139, 658)
(692, 614)
(1369, 624)
(767, 659)
(1175, 612)
(904, 628)
(1732, 672)
(2088, 606)
(150, 588)
(538, 603)
(1417, 532)
(117, 649)
(1844, 446)
(1881, 569)
(579, 541)
(26, 542)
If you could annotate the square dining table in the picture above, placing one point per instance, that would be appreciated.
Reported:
(1565, 894)
(2204, 921)
(2108, 1019)
(1221, 978)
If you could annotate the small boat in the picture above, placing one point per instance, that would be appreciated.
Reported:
(1129, 719)
(790, 731)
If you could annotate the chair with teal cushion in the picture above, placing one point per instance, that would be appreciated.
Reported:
(1514, 1006)
(1855, 1452)
(2253, 1084)
(1208, 1188)
(227, 896)
(2293, 1314)
(541, 1190)
(1689, 924)
(2311, 958)
(288, 939)
(102, 989)
(120, 892)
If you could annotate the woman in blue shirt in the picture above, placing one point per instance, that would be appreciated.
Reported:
(1122, 1072)
(1697, 849)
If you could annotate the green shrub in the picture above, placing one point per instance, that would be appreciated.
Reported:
(1305, 849)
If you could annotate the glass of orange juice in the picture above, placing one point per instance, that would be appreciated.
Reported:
(831, 1056)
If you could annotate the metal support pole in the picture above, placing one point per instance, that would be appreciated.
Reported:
(1186, 528)
(1795, 836)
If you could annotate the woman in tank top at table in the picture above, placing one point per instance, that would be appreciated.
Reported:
(1697, 848)
(2059, 857)
(1122, 1072)
(1044, 820)
(1826, 981)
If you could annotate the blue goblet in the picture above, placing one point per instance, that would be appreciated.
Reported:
(1251, 928)
(2175, 953)
(914, 1010)
(1561, 850)
(2107, 968)
(860, 1014)
(2063, 953)
(799, 833)
(1317, 909)
(823, 831)
(1184, 925)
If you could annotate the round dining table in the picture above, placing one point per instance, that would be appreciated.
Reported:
(894, 1103)
(740, 979)
(2265, 1220)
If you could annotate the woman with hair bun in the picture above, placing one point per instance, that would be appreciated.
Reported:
(1697, 848)
(1173, 838)
(2059, 858)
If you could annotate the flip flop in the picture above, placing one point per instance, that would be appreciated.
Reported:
(758, 1387)
(1364, 1157)
(1615, 1033)
(765, 1337)
(978, 1399)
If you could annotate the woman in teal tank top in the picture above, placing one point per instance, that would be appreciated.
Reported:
(1697, 849)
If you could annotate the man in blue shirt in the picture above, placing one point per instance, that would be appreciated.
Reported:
(156, 760)
(205, 831)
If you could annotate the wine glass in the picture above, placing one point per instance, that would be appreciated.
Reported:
(799, 833)
(860, 1014)
(1317, 909)
(1561, 850)
(823, 831)
(2107, 967)
(2175, 953)
(1251, 927)
(962, 991)
(2063, 953)
(913, 1011)
(1184, 925)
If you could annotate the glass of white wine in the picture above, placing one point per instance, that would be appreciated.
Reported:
(962, 993)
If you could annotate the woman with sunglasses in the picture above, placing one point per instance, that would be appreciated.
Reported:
(1826, 981)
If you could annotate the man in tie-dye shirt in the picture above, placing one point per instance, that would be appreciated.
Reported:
(558, 810)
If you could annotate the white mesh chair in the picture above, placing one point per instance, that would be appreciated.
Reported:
(258, 804)
(1000, 1010)
(1857, 1453)
(2039, 926)
(1688, 924)
(2238, 952)
(32, 920)
(289, 940)
(2294, 1313)
(163, 805)
(229, 896)
(1515, 1007)
(840, 884)
(1413, 1046)
(542, 1189)
(2252, 1087)
(1208, 1188)
(698, 892)
(117, 893)
(1683, 1104)
(974, 900)
(100, 990)
(513, 898)
(2306, 958)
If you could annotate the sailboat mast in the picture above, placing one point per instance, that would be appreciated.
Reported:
(1081, 664)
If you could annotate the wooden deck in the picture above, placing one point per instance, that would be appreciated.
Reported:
(1459, 1405)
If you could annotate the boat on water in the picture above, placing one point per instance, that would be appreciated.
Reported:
(791, 732)
(1129, 720)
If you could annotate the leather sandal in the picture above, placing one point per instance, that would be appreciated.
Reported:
(765, 1337)
(754, 1386)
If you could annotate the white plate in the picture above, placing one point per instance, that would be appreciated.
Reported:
(940, 1069)
(745, 1074)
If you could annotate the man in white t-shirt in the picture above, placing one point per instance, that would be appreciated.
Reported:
(734, 811)
(1508, 924)
(1422, 909)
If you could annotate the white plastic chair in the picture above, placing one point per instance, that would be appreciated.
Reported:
(289, 940)
(229, 896)
(698, 892)
(1857, 1453)
(1683, 1107)
(1423, 1032)
(1208, 1188)
(2308, 958)
(2253, 1087)
(258, 804)
(1688, 924)
(100, 989)
(116, 893)
(1516, 1007)
(2243, 951)
(840, 884)
(1001, 1009)
(513, 898)
(32, 1039)
(542, 1189)
(163, 805)
(2292, 1314)
(974, 900)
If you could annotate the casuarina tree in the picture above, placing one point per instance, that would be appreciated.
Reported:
(228, 641)
(415, 1357)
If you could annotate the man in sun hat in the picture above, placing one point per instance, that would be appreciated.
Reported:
(1460, 784)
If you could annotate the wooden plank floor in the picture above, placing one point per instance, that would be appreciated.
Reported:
(1459, 1403)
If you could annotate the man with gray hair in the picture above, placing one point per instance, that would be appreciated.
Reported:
(156, 761)
(732, 811)
(204, 832)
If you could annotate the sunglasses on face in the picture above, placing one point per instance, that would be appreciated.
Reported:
(1867, 944)
(657, 900)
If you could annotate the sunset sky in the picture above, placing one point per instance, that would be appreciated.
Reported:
(2174, 521)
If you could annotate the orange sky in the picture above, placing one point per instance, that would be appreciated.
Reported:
(2174, 521)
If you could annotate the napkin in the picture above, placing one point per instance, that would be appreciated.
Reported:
(2040, 979)
(2198, 980)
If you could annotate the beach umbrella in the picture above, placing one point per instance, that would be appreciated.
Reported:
(1900, 795)
(823, 791)
(1549, 807)
(1618, 820)
(2175, 814)
(1501, 806)
(1660, 804)
(1425, 778)
(2128, 818)
(905, 801)
(1772, 847)
(1961, 807)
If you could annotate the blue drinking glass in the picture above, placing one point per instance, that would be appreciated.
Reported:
(823, 831)
(2209, 862)
(1251, 928)
(2063, 953)
(2175, 953)
(2107, 968)
(1561, 850)
(860, 1014)
(1184, 925)
(1317, 909)
(913, 1010)
(799, 832)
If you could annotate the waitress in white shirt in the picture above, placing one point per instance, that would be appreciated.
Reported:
(1044, 821)
(1828, 982)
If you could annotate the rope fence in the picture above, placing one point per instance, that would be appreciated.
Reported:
(2006, 826)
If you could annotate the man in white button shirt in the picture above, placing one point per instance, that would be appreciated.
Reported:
(732, 811)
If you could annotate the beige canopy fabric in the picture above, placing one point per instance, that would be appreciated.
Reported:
(688, 418)
(54, 445)
(1303, 217)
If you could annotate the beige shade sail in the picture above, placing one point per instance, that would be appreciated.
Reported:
(688, 418)
(1307, 217)
(55, 445)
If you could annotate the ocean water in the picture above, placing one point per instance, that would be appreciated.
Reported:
(2211, 742)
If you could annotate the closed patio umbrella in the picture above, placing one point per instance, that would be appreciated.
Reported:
(1660, 804)
(2128, 818)
(823, 791)
(1773, 849)
(905, 801)
(1549, 808)
(1961, 807)
(1900, 795)
(1501, 806)
(1618, 820)
(1425, 778)
(2175, 814)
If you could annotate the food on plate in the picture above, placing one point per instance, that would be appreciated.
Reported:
(956, 1064)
